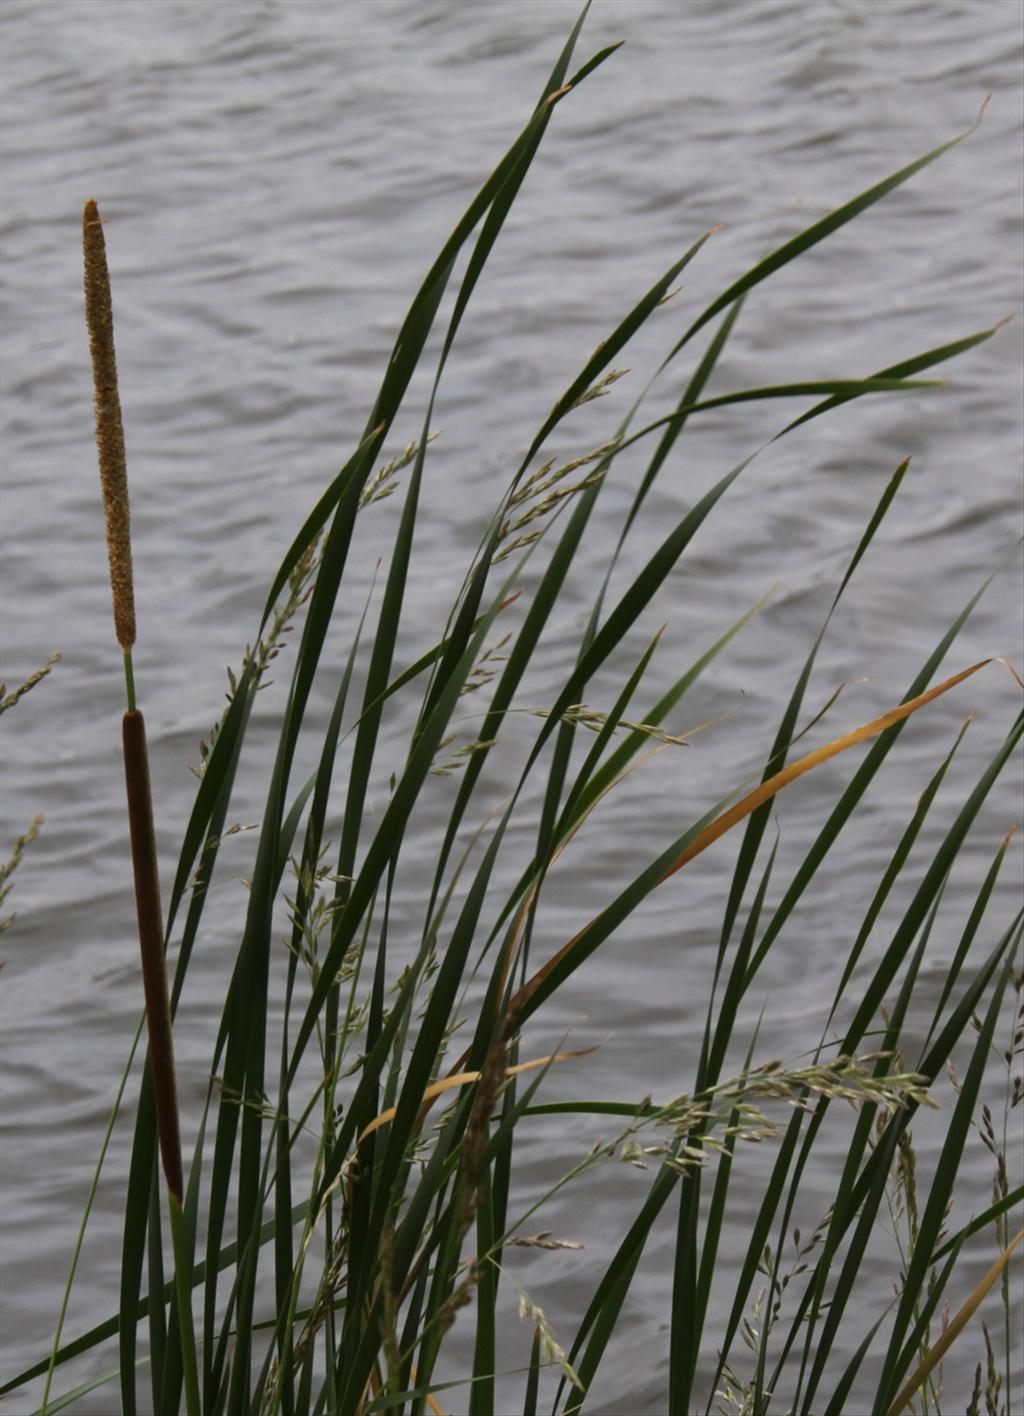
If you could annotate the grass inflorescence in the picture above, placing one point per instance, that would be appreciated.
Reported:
(346, 1226)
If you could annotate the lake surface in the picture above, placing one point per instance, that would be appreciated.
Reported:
(275, 180)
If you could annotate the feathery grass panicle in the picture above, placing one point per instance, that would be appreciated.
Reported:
(99, 316)
(10, 865)
(8, 700)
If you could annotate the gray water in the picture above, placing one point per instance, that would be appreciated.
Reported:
(275, 180)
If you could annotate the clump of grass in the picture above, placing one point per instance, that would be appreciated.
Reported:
(351, 1199)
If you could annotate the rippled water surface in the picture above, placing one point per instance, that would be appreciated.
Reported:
(275, 180)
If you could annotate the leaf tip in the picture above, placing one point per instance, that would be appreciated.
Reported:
(553, 98)
(1012, 671)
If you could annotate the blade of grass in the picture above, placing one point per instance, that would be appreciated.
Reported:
(816, 232)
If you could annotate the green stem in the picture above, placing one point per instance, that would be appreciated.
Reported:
(183, 1295)
(129, 680)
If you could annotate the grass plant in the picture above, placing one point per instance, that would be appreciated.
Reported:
(350, 1207)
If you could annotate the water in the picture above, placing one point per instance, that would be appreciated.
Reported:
(275, 180)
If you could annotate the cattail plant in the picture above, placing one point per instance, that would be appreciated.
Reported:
(114, 485)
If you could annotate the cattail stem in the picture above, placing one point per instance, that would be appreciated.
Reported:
(151, 943)
(181, 1242)
(129, 680)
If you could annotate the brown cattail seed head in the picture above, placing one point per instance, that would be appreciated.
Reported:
(109, 430)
